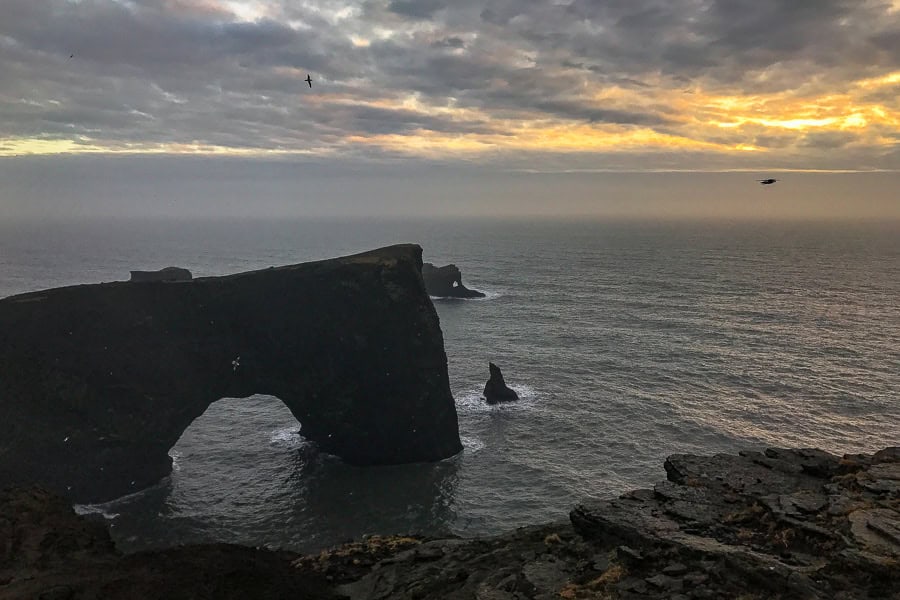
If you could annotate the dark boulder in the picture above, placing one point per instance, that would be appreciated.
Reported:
(98, 382)
(495, 390)
(446, 282)
(49, 552)
(167, 274)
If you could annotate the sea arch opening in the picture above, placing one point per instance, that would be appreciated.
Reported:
(237, 477)
(240, 453)
(243, 473)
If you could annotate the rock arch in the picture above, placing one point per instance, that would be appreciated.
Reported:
(446, 282)
(97, 382)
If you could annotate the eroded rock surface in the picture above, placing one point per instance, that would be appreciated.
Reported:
(446, 282)
(98, 382)
(778, 524)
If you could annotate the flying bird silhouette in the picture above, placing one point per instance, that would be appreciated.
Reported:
(308, 80)
(767, 181)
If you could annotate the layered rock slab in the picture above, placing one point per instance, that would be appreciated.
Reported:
(777, 524)
(98, 382)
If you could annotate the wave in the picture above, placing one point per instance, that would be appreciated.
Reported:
(471, 445)
(488, 295)
(94, 509)
(175, 455)
(472, 401)
(106, 508)
(287, 437)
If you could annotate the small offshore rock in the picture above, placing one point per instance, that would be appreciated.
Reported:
(495, 390)
(446, 282)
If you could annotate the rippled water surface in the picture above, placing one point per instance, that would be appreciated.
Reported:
(627, 342)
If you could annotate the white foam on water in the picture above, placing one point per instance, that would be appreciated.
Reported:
(175, 455)
(472, 401)
(471, 444)
(488, 295)
(286, 437)
(94, 509)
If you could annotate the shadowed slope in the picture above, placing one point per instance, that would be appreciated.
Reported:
(97, 382)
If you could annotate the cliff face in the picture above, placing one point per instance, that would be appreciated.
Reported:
(98, 382)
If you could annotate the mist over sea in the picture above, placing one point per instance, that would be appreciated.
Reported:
(627, 341)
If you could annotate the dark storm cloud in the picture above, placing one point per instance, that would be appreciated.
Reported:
(579, 111)
(829, 140)
(725, 39)
(371, 119)
(450, 42)
(185, 71)
(774, 141)
(417, 9)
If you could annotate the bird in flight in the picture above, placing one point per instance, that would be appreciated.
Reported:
(308, 80)
(767, 181)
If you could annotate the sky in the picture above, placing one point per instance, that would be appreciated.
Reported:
(516, 98)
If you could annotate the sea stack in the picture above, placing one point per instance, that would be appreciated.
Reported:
(446, 282)
(495, 390)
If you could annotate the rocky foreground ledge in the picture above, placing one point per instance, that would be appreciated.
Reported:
(778, 524)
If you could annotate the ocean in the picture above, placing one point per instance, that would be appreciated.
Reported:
(627, 341)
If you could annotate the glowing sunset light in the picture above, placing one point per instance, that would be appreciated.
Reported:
(437, 79)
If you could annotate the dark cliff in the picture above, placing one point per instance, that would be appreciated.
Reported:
(98, 382)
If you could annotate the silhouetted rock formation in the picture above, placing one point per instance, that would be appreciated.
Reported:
(495, 389)
(776, 524)
(98, 382)
(166, 274)
(446, 282)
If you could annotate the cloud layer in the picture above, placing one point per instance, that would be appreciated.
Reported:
(580, 84)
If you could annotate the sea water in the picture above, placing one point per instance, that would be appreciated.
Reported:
(627, 341)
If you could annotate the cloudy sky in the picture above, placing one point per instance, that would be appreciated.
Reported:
(518, 85)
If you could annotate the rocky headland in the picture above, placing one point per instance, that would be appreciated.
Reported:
(98, 382)
(446, 282)
(756, 525)
(164, 274)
